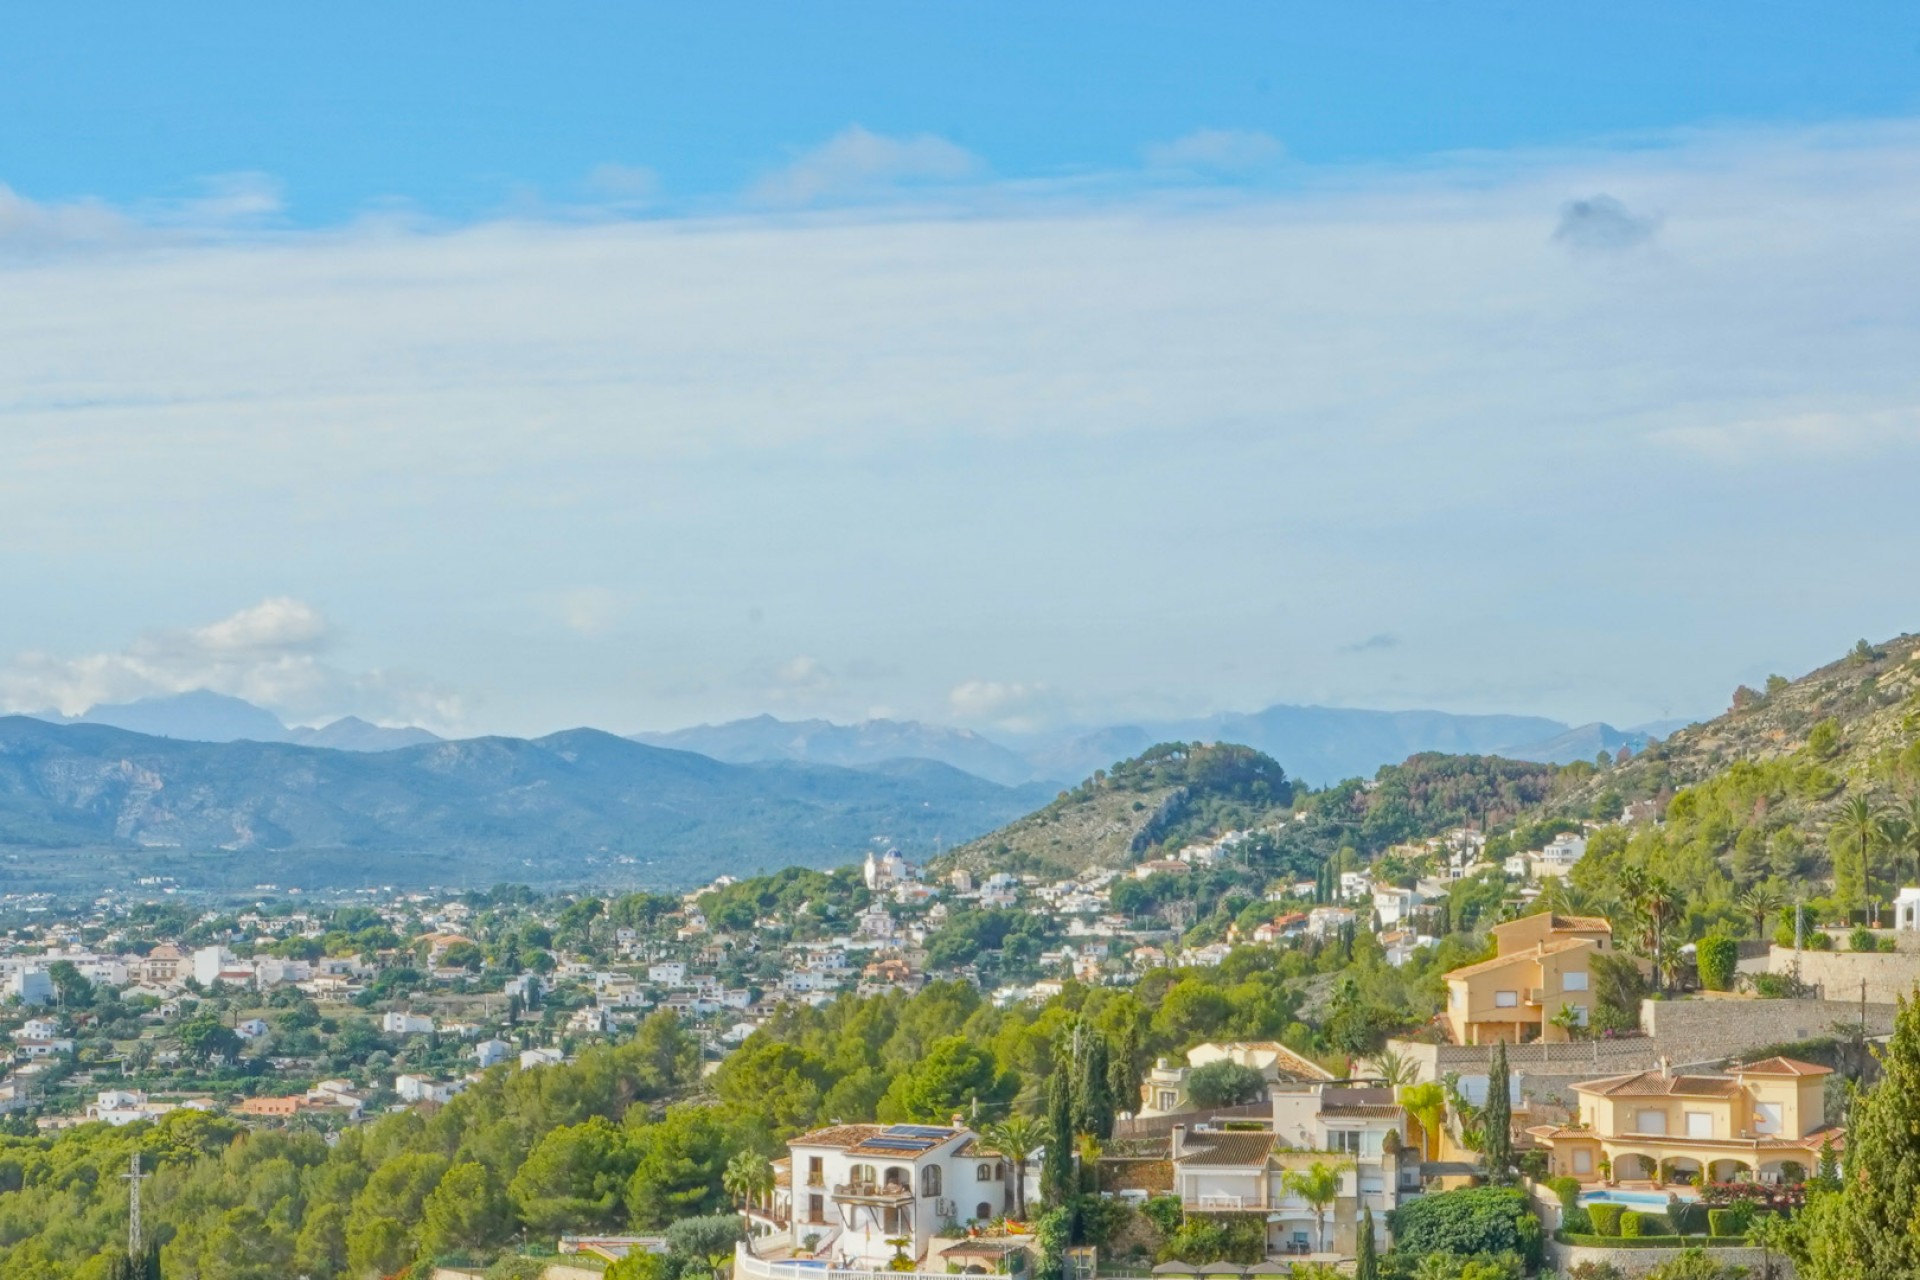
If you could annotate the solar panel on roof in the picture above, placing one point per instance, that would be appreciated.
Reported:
(897, 1144)
(918, 1130)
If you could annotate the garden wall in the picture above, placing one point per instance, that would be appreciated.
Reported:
(1889, 975)
(1634, 1262)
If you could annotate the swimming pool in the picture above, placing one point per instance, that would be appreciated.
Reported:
(1655, 1200)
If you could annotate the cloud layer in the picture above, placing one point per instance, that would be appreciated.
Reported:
(1122, 443)
(274, 654)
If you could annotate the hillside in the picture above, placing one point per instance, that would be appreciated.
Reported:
(572, 807)
(1870, 698)
(200, 715)
(1167, 796)
(1776, 796)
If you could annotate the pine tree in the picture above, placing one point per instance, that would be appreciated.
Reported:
(1496, 1119)
(1056, 1169)
(1366, 1266)
(1863, 1227)
(1092, 1095)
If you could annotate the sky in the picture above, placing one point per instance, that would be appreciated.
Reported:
(1005, 365)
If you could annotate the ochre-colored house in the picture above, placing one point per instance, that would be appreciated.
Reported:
(1764, 1120)
(1541, 965)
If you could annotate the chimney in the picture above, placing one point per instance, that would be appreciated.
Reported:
(1666, 1067)
(1179, 1136)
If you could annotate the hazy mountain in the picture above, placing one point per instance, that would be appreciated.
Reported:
(567, 808)
(764, 738)
(1318, 745)
(351, 733)
(201, 715)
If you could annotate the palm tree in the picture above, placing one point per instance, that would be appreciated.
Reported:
(748, 1176)
(1857, 827)
(1317, 1185)
(1761, 902)
(1395, 1069)
(1427, 1104)
(1902, 830)
(1016, 1138)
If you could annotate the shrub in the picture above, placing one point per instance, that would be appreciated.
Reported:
(1720, 1222)
(1576, 1219)
(1862, 939)
(1717, 957)
(1630, 1224)
(1606, 1218)
(1595, 1271)
(1567, 1189)
(1689, 1217)
(1694, 1264)
(1468, 1222)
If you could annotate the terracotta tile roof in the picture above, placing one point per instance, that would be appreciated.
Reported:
(1531, 953)
(1560, 924)
(1236, 1150)
(1652, 1084)
(1782, 1067)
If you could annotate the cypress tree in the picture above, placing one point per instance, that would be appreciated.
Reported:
(1123, 1073)
(1862, 1226)
(1056, 1169)
(1496, 1119)
(1093, 1096)
(1366, 1266)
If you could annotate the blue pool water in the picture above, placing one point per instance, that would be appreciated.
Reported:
(1656, 1200)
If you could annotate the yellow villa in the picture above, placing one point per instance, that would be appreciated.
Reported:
(1541, 965)
(1764, 1120)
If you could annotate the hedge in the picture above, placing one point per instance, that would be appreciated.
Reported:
(1716, 957)
(1606, 1218)
(1630, 1223)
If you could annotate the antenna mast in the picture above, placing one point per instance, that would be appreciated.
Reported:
(134, 1178)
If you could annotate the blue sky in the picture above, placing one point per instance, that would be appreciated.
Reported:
(1009, 365)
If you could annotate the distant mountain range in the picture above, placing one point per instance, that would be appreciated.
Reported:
(203, 716)
(570, 808)
(1318, 745)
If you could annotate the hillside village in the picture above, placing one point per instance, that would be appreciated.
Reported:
(1295, 1004)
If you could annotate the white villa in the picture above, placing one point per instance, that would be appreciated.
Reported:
(844, 1192)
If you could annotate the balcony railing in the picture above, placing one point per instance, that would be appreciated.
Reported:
(875, 1192)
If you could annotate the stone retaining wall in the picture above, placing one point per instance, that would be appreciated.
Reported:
(1889, 975)
(1634, 1262)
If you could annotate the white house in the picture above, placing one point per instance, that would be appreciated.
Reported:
(857, 1186)
(667, 973)
(397, 1023)
(490, 1053)
(541, 1058)
(30, 986)
(421, 1089)
(250, 1028)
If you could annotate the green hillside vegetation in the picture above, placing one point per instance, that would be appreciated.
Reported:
(1809, 789)
(637, 1136)
(1158, 801)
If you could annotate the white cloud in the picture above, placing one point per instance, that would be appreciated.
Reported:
(1005, 704)
(803, 675)
(857, 163)
(967, 443)
(272, 653)
(589, 611)
(1216, 151)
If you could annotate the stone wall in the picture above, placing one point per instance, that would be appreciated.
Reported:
(1635, 1262)
(1889, 975)
(1702, 1029)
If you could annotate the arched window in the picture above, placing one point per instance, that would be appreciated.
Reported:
(862, 1175)
(983, 1173)
(899, 1177)
(930, 1180)
(983, 1212)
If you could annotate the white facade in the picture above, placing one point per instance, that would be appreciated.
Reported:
(855, 1187)
(397, 1023)
(491, 1053)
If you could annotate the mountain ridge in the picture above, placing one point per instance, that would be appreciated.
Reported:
(576, 806)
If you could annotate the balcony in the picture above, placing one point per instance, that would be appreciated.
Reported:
(873, 1193)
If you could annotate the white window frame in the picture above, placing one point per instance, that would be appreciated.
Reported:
(1506, 999)
(1574, 981)
(1699, 1120)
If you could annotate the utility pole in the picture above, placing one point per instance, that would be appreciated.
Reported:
(134, 1177)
